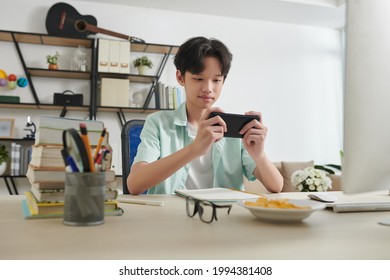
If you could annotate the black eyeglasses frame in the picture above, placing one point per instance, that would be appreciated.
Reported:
(198, 208)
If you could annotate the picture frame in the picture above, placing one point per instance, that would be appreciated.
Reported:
(6, 128)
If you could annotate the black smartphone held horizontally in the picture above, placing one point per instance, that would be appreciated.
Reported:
(234, 122)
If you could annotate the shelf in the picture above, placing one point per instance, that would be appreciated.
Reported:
(44, 39)
(126, 110)
(18, 105)
(153, 48)
(17, 139)
(58, 107)
(42, 106)
(66, 74)
(131, 77)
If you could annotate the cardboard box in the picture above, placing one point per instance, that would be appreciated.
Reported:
(114, 92)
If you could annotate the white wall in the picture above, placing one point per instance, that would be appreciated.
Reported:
(291, 73)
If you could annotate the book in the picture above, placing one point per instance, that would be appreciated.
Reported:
(53, 195)
(49, 131)
(15, 158)
(48, 185)
(9, 99)
(217, 194)
(36, 175)
(43, 207)
(28, 215)
(47, 207)
(25, 158)
(47, 157)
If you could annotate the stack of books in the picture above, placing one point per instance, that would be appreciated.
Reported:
(168, 97)
(46, 171)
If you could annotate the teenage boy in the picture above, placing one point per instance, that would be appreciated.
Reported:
(186, 149)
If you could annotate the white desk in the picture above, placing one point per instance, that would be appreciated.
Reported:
(152, 232)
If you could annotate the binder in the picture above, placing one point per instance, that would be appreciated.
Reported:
(124, 57)
(103, 52)
(113, 57)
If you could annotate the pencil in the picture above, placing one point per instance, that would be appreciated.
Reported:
(99, 145)
(141, 202)
(84, 136)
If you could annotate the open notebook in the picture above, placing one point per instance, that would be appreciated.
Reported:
(217, 194)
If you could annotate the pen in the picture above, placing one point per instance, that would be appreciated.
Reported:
(84, 137)
(99, 144)
(142, 202)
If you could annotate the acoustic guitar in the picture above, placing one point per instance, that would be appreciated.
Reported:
(64, 20)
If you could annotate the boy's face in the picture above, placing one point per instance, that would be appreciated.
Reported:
(203, 89)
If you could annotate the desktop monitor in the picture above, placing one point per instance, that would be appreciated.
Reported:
(366, 160)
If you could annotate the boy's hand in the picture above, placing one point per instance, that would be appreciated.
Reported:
(254, 136)
(210, 130)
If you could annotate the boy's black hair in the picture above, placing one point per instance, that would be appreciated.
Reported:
(190, 56)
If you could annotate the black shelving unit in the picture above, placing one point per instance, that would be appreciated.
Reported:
(18, 38)
(93, 76)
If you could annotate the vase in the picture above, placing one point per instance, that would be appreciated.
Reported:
(79, 59)
(142, 70)
(53, 66)
(3, 167)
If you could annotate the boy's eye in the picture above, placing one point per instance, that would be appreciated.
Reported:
(197, 79)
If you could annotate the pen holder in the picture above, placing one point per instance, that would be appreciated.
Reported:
(84, 198)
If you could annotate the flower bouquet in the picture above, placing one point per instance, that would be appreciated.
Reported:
(311, 180)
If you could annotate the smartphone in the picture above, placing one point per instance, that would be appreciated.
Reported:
(234, 122)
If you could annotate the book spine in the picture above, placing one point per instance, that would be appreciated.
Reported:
(15, 159)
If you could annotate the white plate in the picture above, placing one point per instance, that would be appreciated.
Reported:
(284, 215)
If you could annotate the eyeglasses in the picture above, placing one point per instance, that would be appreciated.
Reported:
(206, 209)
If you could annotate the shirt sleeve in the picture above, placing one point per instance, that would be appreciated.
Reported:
(248, 164)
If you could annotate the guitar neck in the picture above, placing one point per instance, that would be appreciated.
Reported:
(95, 29)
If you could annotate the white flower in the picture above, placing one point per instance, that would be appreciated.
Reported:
(311, 179)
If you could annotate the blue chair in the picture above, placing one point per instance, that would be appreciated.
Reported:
(130, 139)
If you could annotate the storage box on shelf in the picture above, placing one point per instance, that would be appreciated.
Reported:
(104, 72)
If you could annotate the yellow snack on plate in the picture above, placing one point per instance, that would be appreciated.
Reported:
(274, 203)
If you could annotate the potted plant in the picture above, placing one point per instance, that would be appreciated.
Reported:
(53, 61)
(142, 63)
(3, 159)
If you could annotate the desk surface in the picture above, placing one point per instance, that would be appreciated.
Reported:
(153, 232)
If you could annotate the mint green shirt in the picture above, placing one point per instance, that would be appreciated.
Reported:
(165, 132)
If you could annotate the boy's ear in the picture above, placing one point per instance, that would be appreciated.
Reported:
(179, 77)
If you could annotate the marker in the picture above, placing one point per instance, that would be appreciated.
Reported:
(99, 145)
(84, 137)
(142, 202)
(106, 159)
(72, 164)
